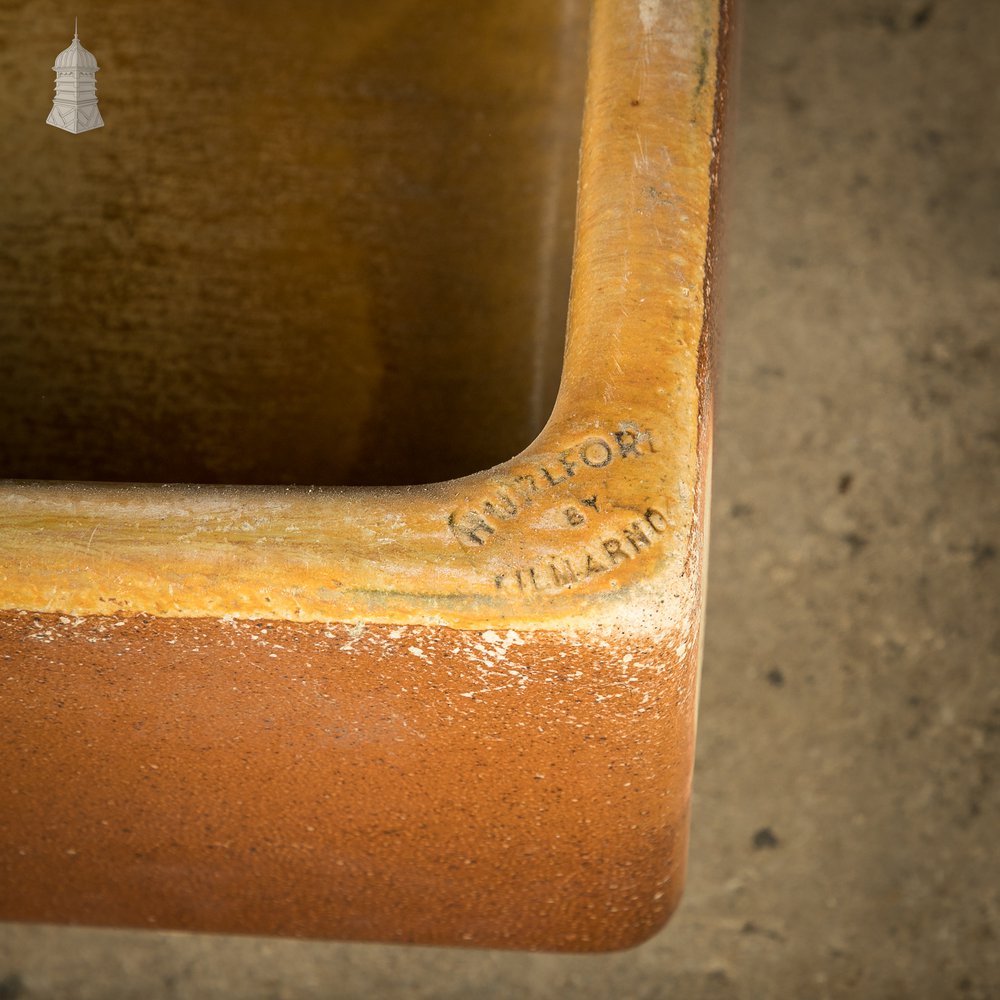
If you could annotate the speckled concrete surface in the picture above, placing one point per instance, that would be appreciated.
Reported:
(846, 809)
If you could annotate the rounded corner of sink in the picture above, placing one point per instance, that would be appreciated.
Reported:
(452, 711)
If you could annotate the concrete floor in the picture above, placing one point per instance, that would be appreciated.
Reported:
(846, 810)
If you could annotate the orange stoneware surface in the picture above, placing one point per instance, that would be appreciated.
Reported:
(460, 711)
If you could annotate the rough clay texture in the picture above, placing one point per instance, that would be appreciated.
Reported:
(845, 808)
(410, 784)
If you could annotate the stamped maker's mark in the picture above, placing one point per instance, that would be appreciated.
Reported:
(534, 484)
(562, 571)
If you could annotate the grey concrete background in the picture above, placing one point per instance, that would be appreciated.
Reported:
(846, 808)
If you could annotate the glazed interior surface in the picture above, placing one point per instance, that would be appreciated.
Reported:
(315, 242)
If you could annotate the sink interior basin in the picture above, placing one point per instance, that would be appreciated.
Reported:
(292, 645)
(315, 243)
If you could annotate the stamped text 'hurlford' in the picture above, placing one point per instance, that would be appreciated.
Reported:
(533, 484)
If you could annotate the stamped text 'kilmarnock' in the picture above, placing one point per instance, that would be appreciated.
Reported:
(616, 547)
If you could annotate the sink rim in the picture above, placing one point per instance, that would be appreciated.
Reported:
(638, 353)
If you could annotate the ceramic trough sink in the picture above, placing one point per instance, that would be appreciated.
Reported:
(289, 644)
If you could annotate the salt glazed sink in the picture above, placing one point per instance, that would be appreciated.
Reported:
(308, 256)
